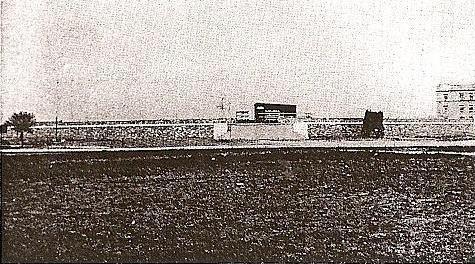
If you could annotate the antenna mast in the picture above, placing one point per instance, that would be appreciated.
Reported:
(222, 107)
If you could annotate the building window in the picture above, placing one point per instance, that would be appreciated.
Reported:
(471, 96)
(446, 97)
(446, 108)
(461, 96)
(470, 109)
(462, 109)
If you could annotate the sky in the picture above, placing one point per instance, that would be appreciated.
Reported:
(122, 60)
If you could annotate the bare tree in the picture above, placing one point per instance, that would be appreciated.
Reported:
(22, 122)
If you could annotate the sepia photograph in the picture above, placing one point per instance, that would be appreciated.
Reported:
(192, 131)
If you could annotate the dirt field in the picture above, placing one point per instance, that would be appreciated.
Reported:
(246, 205)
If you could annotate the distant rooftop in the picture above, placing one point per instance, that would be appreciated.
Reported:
(455, 87)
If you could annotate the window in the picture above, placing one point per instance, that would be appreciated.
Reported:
(471, 96)
(445, 108)
(446, 97)
(470, 109)
(462, 109)
(461, 96)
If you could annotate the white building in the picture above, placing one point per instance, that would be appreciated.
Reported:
(243, 116)
(456, 101)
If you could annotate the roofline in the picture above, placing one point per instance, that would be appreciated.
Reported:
(456, 90)
(455, 87)
(451, 84)
(275, 104)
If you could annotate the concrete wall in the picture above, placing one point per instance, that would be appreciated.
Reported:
(256, 131)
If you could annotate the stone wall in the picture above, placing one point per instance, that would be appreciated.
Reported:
(127, 135)
(334, 131)
(143, 135)
(394, 129)
(433, 130)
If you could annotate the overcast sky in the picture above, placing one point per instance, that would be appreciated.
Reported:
(93, 60)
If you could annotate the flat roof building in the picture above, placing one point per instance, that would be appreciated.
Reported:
(456, 101)
(243, 117)
(273, 112)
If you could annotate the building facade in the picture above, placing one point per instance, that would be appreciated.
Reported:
(243, 117)
(456, 102)
(273, 112)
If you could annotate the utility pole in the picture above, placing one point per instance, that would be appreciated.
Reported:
(225, 107)
(222, 107)
(1, 60)
(229, 111)
(56, 129)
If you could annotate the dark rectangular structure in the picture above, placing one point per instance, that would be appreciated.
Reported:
(373, 125)
(3, 128)
(272, 112)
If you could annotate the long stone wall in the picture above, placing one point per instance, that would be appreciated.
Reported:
(142, 135)
(394, 130)
(433, 130)
(122, 135)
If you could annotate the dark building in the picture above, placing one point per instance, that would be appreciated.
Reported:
(373, 125)
(3, 128)
(273, 112)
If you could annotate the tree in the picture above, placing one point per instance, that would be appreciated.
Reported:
(22, 122)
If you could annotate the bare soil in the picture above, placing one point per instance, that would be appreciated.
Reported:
(238, 205)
